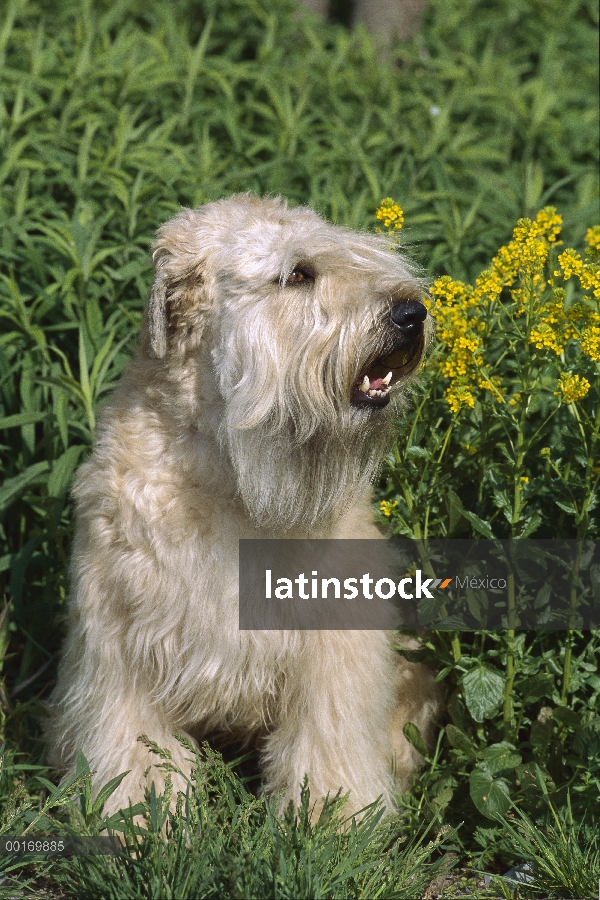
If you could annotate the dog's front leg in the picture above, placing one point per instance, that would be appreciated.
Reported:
(99, 709)
(334, 720)
(124, 749)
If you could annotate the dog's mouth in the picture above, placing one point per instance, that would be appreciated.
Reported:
(373, 385)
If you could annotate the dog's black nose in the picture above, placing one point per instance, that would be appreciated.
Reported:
(408, 316)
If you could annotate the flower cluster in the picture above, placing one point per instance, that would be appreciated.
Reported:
(458, 328)
(573, 387)
(592, 239)
(571, 264)
(390, 214)
(523, 259)
(386, 506)
(469, 318)
(584, 317)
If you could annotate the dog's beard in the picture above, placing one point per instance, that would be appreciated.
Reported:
(301, 451)
(286, 485)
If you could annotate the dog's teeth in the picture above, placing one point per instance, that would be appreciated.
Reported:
(372, 393)
(387, 379)
(366, 384)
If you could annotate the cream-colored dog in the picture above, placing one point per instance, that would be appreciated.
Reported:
(260, 404)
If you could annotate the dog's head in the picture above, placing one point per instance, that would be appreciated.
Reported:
(303, 335)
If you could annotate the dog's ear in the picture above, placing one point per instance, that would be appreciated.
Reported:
(176, 296)
(157, 315)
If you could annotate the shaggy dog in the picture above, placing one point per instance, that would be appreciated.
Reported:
(259, 405)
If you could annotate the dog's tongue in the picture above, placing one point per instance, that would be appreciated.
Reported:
(377, 384)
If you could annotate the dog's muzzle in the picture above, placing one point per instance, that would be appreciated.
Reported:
(401, 355)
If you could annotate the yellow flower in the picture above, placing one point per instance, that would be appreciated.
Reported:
(524, 479)
(592, 237)
(386, 506)
(571, 263)
(470, 450)
(469, 319)
(588, 273)
(589, 340)
(545, 451)
(390, 213)
(573, 387)
(458, 396)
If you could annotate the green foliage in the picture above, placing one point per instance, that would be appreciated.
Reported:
(222, 841)
(503, 442)
(562, 856)
(113, 115)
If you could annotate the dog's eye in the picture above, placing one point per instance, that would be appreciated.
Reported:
(298, 276)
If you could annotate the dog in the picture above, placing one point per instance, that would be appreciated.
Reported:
(276, 352)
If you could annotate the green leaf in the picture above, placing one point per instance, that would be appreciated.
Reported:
(567, 507)
(483, 688)
(535, 687)
(455, 510)
(414, 737)
(592, 680)
(441, 800)
(106, 792)
(530, 525)
(13, 488)
(83, 766)
(542, 596)
(62, 470)
(490, 795)
(479, 525)
(418, 451)
(568, 717)
(459, 740)
(27, 418)
(499, 758)
(61, 402)
(502, 501)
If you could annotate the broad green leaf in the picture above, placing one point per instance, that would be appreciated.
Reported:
(490, 795)
(499, 758)
(483, 688)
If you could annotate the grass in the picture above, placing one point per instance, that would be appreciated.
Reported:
(112, 115)
(226, 842)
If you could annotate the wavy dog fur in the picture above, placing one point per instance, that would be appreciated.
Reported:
(237, 419)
